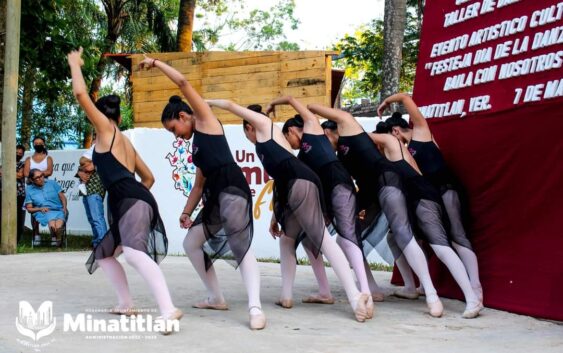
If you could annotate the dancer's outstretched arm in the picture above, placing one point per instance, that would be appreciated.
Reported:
(205, 119)
(101, 123)
(142, 170)
(311, 123)
(347, 125)
(261, 123)
(421, 130)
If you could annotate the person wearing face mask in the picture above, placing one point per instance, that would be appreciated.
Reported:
(42, 161)
(20, 188)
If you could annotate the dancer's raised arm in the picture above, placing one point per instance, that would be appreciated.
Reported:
(421, 130)
(311, 123)
(347, 125)
(205, 119)
(98, 119)
(264, 126)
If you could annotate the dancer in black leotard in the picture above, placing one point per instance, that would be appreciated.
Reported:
(224, 227)
(136, 228)
(304, 132)
(297, 203)
(427, 208)
(429, 158)
(375, 176)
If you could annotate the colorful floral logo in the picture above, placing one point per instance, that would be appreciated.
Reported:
(184, 172)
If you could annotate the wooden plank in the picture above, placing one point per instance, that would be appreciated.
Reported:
(210, 80)
(270, 92)
(159, 83)
(187, 69)
(303, 64)
(296, 55)
(156, 95)
(240, 62)
(240, 86)
(244, 69)
(305, 91)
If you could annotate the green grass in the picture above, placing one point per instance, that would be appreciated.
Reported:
(75, 243)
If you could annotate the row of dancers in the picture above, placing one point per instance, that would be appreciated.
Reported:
(342, 176)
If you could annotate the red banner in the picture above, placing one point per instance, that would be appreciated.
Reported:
(490, 55)
(498, 63)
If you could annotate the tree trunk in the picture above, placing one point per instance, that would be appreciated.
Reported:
(185, 25)
(2, 51)
(394, 22)
(27, 107)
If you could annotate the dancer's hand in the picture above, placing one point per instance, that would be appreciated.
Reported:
(270, 108)
(362, 215)
(382, 108)
(185, 221)
(147, 63)
(275, 230)
(219, 103)
(75, 57)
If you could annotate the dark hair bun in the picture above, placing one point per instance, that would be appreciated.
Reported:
(113, 101)
(298, 120)
(382, 128)
(255, 108)
(175, 99)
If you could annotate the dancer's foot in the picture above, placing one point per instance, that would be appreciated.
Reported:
(435, 306)
(406, 293)
(177, 314)
(285, 303)
(208, 304)
(378, 296)
(123, 311)
(318, 299)
(479, 293)
(257, 318)
(472, 310)
(370, 308)
(361, 311)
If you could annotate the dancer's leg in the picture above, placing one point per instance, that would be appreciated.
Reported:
(251, 277)
(394, 206)
(341, 267)
(288, 264)
(193, 244)
(460, 242)
(429, 218)
(356, 259)
(116, 275)
(318, 266)
(153, 276)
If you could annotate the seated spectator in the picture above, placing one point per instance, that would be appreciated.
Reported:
(41, 160)
(93, 193)
(46, 202)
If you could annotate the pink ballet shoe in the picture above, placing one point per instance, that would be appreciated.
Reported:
(176, 315)
(317, 299)
(361, 310)
(370, 308)
(406, 294)
(472, 312)
(257, 321)
(436, 308)
(285, 303)
(378, 296)
(207, 305)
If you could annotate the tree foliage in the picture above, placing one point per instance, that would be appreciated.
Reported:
(362, 57)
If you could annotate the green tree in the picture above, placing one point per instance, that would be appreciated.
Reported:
(362, 56)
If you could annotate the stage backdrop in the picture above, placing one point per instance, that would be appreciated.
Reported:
(489, 80)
